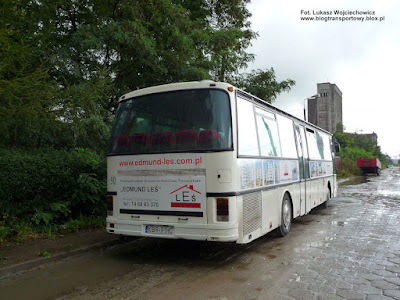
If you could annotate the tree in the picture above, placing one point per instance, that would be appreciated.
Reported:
(344, 139)
(229, 34)
(139, 43)
(81, 56)
(340, 127)
(263, 84)
(26, 91)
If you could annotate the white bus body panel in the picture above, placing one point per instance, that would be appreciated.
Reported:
(218, 177)
(252, 212)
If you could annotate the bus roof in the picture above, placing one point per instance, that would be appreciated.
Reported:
(175, 87)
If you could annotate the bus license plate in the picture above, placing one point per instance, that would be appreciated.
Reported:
(160, 230)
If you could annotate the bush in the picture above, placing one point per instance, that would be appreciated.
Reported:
(354, 153)
(84, 222)
(46, 186)
(348, 168)
(349, 157)
(357, 146)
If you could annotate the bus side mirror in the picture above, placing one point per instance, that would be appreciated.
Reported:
(337, 146)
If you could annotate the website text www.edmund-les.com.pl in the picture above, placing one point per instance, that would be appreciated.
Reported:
(162, 162)
(340, 15)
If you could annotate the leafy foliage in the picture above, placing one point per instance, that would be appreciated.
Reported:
(355, 146)
(51, 186)
(263, 84)
(26, 89)
(64, 64)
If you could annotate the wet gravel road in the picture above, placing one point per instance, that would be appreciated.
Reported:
(351, 250)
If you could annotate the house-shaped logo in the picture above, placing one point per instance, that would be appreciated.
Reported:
(185, 196)
(190, 187)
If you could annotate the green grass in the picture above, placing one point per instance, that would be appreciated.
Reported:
(19, 230)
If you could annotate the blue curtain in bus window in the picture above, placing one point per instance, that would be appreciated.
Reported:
(247, 134)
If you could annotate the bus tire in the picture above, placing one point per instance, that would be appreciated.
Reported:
(328, 197)
(286, 216)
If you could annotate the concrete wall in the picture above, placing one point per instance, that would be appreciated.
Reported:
(325, 111)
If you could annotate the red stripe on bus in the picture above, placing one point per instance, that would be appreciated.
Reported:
(187, 205)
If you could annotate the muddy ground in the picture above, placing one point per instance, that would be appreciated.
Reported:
(42, 248)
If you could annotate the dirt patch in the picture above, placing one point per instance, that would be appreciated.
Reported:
(44, 248)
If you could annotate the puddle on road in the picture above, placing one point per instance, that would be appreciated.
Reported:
(339, 223)
(392, 194)
(307, 246)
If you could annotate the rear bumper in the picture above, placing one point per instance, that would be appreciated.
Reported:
(367, 170)
(200, 232)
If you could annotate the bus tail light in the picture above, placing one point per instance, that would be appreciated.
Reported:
(110, 205)
(223, 209)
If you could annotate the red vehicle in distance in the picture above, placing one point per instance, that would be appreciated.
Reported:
(369, 165)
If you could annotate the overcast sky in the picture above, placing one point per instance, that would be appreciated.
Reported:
(361, 57)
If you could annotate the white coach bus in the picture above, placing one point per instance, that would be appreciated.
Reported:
(207, 161)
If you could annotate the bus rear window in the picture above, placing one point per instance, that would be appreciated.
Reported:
(188, 120)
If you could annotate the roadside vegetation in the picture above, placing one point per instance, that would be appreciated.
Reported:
(63, 66)
(44, 191)
(353, 146)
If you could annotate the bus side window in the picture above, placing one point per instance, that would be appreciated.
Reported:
(320, 144)
(268, 136)
(300, 150)
(305, 153)
(327, 146)
(312, 145)
(247, 134)
(286, 134)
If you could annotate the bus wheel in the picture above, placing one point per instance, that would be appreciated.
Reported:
(328, 197)
(286, 217)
